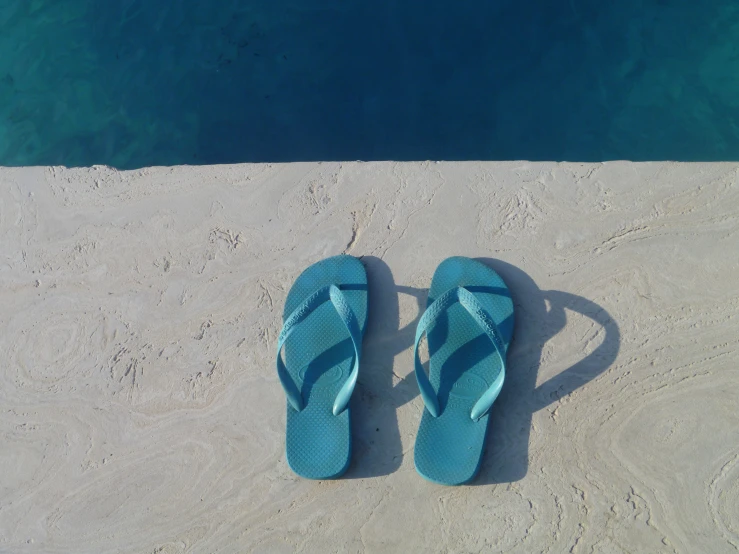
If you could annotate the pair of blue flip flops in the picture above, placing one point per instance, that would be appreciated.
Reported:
(469, 326)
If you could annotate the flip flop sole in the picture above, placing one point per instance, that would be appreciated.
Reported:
(463, 364)
(319, 356)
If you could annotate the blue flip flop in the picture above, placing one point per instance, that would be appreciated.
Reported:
(324, 320)
(469, 326)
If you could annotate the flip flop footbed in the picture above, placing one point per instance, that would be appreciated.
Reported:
(463, 363)
(319, 356)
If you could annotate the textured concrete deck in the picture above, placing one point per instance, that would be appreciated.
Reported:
(141, 411)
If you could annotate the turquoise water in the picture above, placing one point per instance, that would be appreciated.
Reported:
(134, 83)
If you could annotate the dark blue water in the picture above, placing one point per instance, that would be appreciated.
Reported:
(133, 83)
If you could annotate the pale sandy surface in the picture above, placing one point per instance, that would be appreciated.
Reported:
(140, 410)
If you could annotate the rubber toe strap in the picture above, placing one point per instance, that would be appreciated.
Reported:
(339, 302)
(486, 323)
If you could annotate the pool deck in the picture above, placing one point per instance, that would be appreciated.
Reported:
(141, 410)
